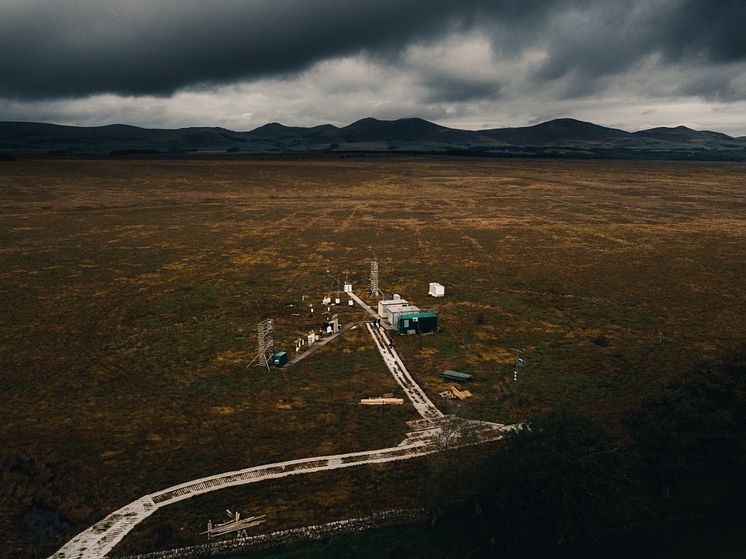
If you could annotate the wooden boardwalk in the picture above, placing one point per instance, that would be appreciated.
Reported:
(423, 438)
(321, 343)
(416, 395)
(384, 323)
(98, 540)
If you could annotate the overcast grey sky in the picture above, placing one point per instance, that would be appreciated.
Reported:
(473, 64)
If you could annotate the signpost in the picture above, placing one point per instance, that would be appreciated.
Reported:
(520, 362)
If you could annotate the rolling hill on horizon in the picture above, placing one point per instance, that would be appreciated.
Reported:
(564, 137)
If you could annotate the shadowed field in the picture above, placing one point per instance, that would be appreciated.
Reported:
(129, 290)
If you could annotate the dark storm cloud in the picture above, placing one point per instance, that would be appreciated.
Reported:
(589, 42)
(59, 48)
(716, 29)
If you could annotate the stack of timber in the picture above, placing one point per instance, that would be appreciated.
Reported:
(455, 393)
(461, 394)
(383, 401)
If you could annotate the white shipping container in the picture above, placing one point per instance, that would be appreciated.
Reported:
(394, 313)
(383, 305)
(437, 290)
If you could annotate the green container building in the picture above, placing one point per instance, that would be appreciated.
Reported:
(280, 359)
(417, 323)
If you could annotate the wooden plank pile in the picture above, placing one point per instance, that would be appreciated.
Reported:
(461, 394)
(385, 400)
(454, 393)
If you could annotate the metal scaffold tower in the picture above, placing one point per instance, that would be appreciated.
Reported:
(374, 279)
(265, 334)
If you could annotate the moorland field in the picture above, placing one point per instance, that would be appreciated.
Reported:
(129, 290)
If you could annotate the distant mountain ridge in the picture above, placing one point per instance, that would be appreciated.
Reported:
(561, 131)
(563, 137)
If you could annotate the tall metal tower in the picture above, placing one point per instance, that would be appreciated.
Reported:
(374, 279)
(265, 334)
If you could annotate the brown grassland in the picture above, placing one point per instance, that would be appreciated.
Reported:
(129, 290)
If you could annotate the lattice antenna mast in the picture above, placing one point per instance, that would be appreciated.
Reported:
(374, 279)
(334, 279)
(265, 334)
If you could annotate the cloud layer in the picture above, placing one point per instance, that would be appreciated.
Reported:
(468, 63)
